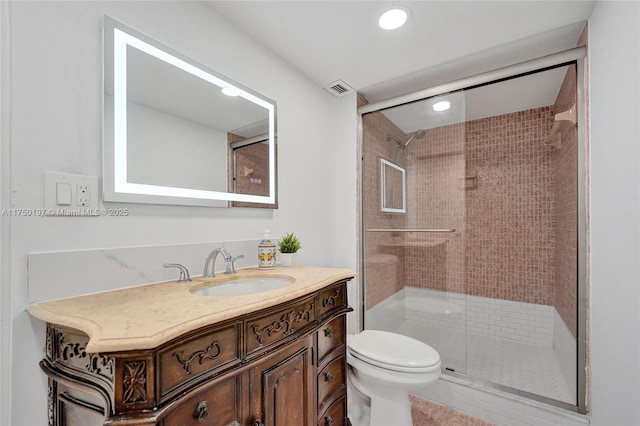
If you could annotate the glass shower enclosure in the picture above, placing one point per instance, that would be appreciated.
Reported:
(472, 229)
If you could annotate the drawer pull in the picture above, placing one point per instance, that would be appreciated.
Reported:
(328, 421)
(328, 377)
(328, 332)
(202, 412)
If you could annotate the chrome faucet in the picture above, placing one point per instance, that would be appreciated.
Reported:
(210, 263)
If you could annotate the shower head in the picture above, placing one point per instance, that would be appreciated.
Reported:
(417, 135)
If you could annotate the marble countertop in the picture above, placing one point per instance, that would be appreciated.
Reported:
(147, 316)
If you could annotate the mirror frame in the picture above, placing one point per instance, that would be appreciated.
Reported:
(383, 186)
(116, 188)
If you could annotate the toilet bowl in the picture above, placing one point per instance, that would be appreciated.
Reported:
(383, 368)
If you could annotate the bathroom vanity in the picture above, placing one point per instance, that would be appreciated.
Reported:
(161, 355)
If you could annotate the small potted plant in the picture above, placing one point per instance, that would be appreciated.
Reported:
(288, 246)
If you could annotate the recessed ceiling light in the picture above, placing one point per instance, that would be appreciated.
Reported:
(441, 106)
(393, 18)
(230, 91)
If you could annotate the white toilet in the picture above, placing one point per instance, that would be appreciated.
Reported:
(383, 368)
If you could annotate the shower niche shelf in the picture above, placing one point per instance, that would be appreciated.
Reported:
(469, 182)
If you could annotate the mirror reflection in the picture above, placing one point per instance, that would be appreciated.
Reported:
(392, 184)
(177, 132)
(249, 167)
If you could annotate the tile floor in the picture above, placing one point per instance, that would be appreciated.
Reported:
(427, 413)
(521, 366)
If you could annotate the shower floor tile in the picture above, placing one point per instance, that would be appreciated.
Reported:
(518, 365)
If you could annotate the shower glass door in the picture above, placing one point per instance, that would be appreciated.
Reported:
(521, 234)
(477, 255)
(414, 256)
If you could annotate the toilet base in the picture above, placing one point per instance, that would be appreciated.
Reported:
(358, 406)
(369, 409)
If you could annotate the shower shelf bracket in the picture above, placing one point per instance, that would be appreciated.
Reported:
(569, 116)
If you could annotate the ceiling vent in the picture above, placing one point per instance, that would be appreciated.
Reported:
(339, 88)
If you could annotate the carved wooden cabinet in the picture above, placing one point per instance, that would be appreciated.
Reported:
(280, 366)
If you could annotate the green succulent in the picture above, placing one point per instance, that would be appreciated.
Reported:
(289, 243)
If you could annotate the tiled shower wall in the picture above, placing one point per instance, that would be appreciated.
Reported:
(503, 246)
(436, 171)
(510, 199)
(509, 234)
(384, 251)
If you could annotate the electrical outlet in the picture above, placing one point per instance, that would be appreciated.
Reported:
(70, 195)
(82, 195)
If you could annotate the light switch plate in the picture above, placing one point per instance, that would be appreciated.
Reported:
(70, 195)
(63, 194)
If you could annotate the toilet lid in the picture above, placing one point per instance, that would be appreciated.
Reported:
(391, 350)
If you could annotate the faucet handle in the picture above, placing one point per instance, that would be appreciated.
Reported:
(226, 255)
(184, 272)
(231, 269)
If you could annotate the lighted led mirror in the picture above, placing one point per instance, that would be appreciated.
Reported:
(178, 132)
(393, 188)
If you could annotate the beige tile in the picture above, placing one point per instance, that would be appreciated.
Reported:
(427, 413)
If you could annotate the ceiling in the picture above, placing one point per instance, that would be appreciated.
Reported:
(441, 42)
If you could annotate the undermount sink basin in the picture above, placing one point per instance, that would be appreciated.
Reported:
(243, 286)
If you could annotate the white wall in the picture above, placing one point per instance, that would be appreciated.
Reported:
(5, 294)
(614, 66)
(54, 124)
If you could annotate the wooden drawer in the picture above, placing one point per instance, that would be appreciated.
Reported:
(216, 405)
(331, 336)
(336, 414)
(199, 355)
(331, 380)
(79, 405)
(278, 325)
(332, 299)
